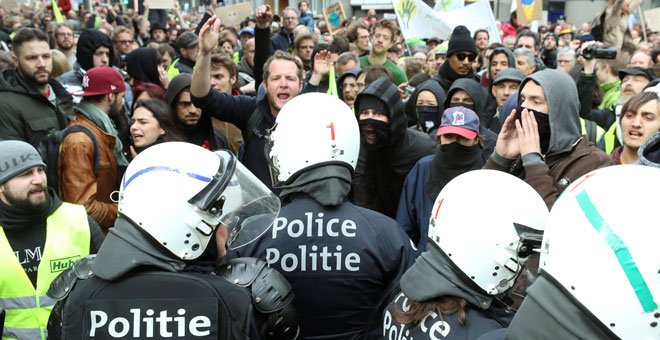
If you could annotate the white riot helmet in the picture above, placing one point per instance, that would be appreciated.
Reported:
(179, 193)
(488, 223)
(601, 245)
(311, 129)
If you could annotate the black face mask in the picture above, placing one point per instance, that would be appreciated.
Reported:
(377, 130)
(450, 161)
(429, 117)
(543, 123)
(468, 106)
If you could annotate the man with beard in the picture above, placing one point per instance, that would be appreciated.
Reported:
(388, 149)
(541, 142)
(460, 150)
(103, 97)
(283, 78)
(64, 42)
(195, 125)
(40, 236)
(385, 34)
(33, 104)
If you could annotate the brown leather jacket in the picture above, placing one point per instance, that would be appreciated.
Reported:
(78, 183)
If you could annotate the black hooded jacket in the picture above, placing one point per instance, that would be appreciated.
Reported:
(89, 41)
(411, 105)
(142, 64)
(475, 91)
(405, 147)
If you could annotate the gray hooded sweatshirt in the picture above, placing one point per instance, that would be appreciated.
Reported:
(569, 155)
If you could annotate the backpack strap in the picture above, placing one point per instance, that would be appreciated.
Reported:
(81, 128)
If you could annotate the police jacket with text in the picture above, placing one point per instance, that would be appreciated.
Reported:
(342, 261)
(436, 325)
(134, 289)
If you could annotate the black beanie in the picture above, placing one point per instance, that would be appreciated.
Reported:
(461, 41)
(368, 101)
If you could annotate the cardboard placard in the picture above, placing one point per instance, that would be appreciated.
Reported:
(11, 6)
(234, 14)
(160, 4)
(653, 19)
(529, 10)
(334, 16)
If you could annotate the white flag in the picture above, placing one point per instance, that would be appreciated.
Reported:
(448, 5)
(476, 16)
(417, 19)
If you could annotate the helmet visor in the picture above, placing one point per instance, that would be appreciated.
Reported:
(239, 200)
(250, 210)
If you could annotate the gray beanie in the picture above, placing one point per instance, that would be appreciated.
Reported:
(16, 157)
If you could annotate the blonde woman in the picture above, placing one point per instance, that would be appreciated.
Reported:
(60, 63)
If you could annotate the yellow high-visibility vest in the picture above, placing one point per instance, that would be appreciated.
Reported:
(27, 309)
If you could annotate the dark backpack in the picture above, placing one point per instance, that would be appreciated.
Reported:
(598, 26)
(49, 149)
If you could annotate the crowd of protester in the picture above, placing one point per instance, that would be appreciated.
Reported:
(547, 105)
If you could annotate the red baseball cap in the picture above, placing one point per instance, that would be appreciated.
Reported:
(101, 80)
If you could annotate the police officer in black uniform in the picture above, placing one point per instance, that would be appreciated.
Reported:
(176, 199)
(343, 261)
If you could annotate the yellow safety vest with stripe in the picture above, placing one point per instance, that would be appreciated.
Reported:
(28, 309)
(610, 139)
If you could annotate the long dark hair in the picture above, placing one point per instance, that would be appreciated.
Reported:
(446, 305)
(165, 117)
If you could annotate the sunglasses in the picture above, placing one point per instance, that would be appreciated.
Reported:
(461, 56)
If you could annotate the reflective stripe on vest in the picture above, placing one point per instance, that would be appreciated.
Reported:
(28, 309)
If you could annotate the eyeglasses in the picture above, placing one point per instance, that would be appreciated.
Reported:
(290, 18)
(461, 56)
(124, 41)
